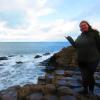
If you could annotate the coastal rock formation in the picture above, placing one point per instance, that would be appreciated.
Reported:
(61, 81)
(66, 58)
(53, 86)
(19, 62)
(3, 58)
(37, 56)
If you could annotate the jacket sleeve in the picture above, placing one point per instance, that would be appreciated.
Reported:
(70, 39)
(97, 39)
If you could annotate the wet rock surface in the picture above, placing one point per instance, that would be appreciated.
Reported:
(59, 83)
(3, 58)
(56, 87)
(37, 56)
(19, 62)
(66, 58)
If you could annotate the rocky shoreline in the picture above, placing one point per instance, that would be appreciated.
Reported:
(62, 81)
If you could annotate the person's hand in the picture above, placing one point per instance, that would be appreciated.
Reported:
(68, 37)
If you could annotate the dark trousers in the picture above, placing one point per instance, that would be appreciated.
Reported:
(87, 72)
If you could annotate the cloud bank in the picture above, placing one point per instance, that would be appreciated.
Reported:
(30, 20)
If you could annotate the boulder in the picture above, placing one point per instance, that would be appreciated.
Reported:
(1, 64)
(3, 58)
(37, 56)
(19, 62)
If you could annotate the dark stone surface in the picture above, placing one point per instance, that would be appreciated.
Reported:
(97, 82)
(67, 98)
(41, 80)
(1, 64)
(59, 72)
(50, 89)
(35, 96)
(37, 56)
(10, 93)
(50, 97)
(19, 62)
(62, 83)
(63, 90)
(50, 68)
(3, 58)
(75, 84)
(49, 78)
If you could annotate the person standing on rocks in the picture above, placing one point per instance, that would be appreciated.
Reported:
(87, 46)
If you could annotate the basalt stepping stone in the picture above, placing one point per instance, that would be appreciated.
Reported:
(69, 79)
(50, 97)
(10, 95)
(97, 91)
(77, 89)
(78, 77)
(97, 76)
(97, 82)
(41, 80)
(67, 98)
(35, 96)
(77, 73)
(61, 83)
(75, 85)
(49, 78)
(63, 91)
(68, 73)
(59, 72)
(69, 83)
(49, 89)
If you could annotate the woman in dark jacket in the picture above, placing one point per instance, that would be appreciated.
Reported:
(87, 47)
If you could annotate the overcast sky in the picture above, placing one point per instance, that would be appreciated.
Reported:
(45, 20)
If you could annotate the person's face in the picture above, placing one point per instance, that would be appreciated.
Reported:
(84, 27)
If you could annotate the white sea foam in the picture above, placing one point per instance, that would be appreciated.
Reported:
(28, 71)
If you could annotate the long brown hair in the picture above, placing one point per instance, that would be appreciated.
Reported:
(90, 27)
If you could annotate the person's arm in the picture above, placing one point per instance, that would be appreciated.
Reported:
(70, 39)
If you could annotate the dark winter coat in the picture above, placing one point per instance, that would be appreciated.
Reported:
(87, 46)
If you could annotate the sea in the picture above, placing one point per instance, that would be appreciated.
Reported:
(27, 72)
